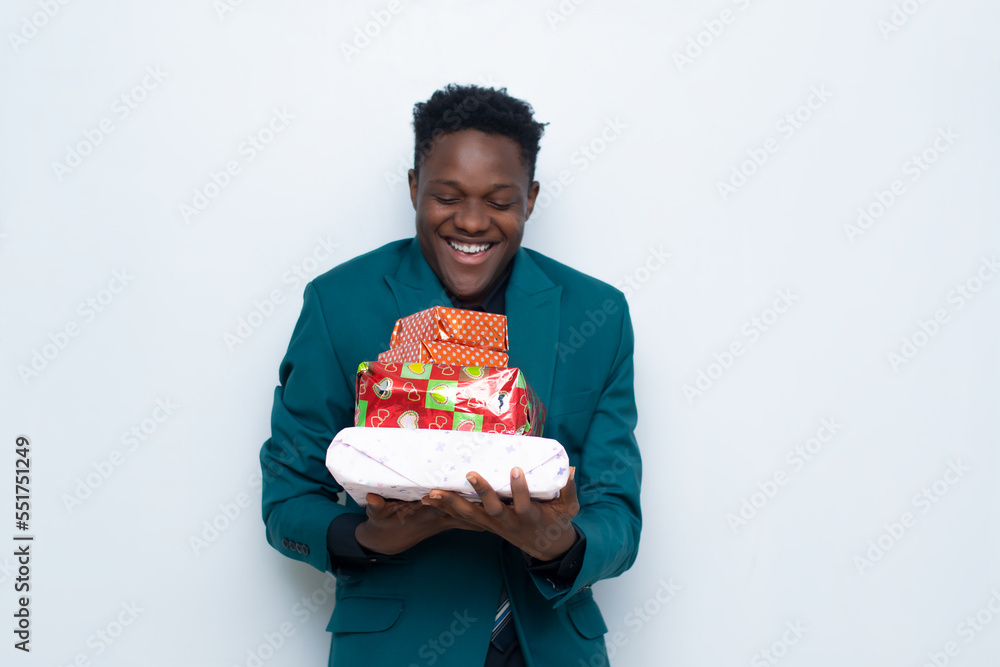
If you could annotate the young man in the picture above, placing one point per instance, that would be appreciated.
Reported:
(445, 581)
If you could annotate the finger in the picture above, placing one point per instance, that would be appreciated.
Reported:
(492, 504)
(519, 490)
(436, 500)
(376, 505)
(429, 506)
(382, 508)
(453, 504)
(568, 493)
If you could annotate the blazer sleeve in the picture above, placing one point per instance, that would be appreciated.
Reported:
(313, 401)
(608, 478)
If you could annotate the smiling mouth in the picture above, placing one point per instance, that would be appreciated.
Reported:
(470, 248)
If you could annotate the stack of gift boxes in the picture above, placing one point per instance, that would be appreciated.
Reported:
(447, 369)
(446, 376)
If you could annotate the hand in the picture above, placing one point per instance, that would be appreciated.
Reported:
(541, 529)
(395, 525)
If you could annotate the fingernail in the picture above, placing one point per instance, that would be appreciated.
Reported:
(471, 478)
(516, 473)
(436, 495)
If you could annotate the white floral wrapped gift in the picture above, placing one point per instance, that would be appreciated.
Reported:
(405, 464)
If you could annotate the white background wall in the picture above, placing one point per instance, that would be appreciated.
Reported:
(329, 176)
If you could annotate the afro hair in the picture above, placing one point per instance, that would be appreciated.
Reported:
(455, 108)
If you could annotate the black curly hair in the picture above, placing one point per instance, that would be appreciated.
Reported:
(473, 107)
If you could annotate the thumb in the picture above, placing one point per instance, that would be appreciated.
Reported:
(376, 504)
(568, 493)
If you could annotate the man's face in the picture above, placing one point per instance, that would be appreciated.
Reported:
(472, 199)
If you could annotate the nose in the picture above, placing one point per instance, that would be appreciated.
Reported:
(472, 217)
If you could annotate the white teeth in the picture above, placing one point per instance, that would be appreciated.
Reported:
(471, 249)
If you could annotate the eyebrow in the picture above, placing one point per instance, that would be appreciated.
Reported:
(493, 188)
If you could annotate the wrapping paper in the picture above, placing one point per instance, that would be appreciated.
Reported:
(452, 325)
(444, 353)
(406, 465)
(446, 397)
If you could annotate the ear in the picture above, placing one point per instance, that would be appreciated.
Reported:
(411, 176)
(532, 195)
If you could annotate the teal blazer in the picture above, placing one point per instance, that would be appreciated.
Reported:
(434, 604)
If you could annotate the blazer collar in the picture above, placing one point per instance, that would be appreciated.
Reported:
(532, 310)
(533, 323)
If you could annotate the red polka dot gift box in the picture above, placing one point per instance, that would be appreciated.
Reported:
(444, 353)
(452, 325)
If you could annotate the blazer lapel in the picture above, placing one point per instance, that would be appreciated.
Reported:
(414, 285)
(532, 306)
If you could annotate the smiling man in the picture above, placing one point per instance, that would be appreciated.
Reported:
(445, 581)
(471, 207)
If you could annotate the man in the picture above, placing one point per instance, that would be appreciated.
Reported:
(445, 581)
